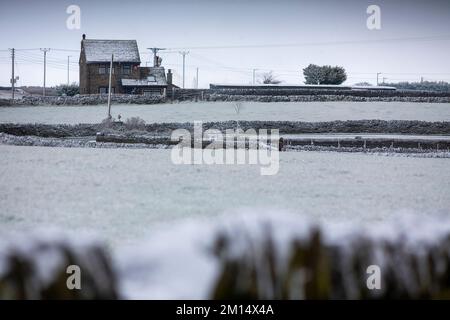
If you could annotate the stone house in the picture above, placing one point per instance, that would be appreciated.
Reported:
(127, 74)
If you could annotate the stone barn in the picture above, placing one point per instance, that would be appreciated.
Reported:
(127, 74)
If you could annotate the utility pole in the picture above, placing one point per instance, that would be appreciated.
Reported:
(109, 86)
(378, 74)
(155, 51)
(45, 66)
(196, 79)
(184, 53)
(13, 80)
(68, 62)
(254, 76)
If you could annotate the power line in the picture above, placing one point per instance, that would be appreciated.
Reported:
(27, 56)
(327, 43)
(49, 64)
(38, 57)
(324, 43)
(66, 50)
(30, 49)
(37, 49)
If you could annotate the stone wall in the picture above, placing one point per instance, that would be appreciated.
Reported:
(327, 92)
(285, 127)
(89, 99)
(306, 95)
(252, 257)
(323, 97)
(262, 95)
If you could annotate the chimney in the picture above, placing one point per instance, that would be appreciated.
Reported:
(169, 76)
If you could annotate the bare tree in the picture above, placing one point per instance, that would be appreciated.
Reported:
(269, 78)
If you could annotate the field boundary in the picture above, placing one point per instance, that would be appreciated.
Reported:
(285, 127)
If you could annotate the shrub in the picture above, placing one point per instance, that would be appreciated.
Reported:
(440, 86)
(68, 90)
(315, 74)
(135, 123)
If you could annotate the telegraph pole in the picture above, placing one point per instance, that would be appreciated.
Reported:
(184, 53)
(254, 76)
(109, 86)
(45, 66)
(378, 74)
(13, 80)
(155, 51)
(196, 78)
(68, 62)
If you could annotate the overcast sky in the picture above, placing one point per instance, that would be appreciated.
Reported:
(322, 32)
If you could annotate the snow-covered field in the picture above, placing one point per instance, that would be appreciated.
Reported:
(121, 195)
(220, 111)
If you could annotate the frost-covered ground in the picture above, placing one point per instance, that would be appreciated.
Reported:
(221, 111)
(121, 195)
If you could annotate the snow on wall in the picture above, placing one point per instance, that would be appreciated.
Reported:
(248, 254)
(34, 266)
(191, 260)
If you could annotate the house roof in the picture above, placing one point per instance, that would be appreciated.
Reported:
(101, 50)
(156, 78)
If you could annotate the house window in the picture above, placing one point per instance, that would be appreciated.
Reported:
(126, 69)
(151, 91)
(104, 69)
(104, 90)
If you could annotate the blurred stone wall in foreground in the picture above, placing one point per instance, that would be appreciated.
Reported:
(251, 258)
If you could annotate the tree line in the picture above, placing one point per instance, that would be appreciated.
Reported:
(440, 86)
(336, 75)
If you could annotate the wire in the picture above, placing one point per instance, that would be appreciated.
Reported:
(327, 43)
(27, 56)
(66, 50)
(32, 58)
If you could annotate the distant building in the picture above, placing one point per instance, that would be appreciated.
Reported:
(127, 77)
